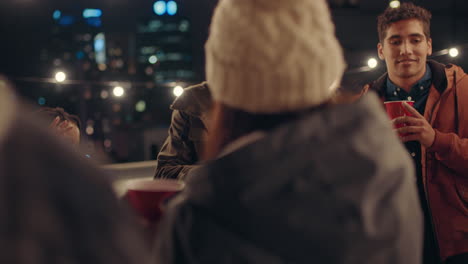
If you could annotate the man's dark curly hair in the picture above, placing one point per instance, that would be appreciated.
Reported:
(405, 11)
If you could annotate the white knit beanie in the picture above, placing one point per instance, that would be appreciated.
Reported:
(271, 56)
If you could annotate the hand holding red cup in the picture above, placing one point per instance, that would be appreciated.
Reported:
(409, 123)
(396, 109)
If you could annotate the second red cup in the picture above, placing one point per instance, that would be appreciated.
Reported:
(146, 197)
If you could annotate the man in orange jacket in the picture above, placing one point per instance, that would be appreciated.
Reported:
(437, 131)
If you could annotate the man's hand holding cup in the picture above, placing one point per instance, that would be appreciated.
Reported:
(414, 127)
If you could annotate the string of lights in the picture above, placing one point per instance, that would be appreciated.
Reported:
(60, 77)
(373, 63)
(118, 87)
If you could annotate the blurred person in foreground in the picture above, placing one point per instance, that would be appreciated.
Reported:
(64, 124)
(55, 206)
(183, 146)
(290, 178)
(438, 127)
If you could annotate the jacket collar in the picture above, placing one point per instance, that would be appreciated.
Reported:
(439, 78)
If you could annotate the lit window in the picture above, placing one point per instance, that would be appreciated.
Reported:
(57, 14)
(87, 13)
(159, 8)
(100, 48)
(171, 8)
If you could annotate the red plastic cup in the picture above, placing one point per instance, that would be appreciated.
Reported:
(396, 109)
(146, 196)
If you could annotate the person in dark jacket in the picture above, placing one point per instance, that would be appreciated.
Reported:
(289, 177)
(55, 206)
(187, 132)
(438, 127)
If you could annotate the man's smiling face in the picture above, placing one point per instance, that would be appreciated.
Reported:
(405, 50)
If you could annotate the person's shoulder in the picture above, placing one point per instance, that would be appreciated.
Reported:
(7, 107)
(440, 70)
(452, 68)
(197, 88)
(196, 91)
(446, 75)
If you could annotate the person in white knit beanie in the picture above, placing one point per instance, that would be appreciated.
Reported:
(267, 56)
(271, 59)
(289, 177)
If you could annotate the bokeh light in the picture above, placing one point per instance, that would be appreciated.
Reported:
(453, 52)
(41, 100)
(107, 143)
(118, 91)
(372, 63)
(57, 14)
(394, 4)
(60, 76)
(104, 94)
(89, 130)
(153, 59)
(178, 91)
(140, 106)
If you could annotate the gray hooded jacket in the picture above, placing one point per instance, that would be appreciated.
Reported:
(336, 186)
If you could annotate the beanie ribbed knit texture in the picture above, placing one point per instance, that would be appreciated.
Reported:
(271, 56)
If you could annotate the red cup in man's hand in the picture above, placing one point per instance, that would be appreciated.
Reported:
(396, 109)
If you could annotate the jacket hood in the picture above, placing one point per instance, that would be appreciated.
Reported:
(454, 75)
(196, 100)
